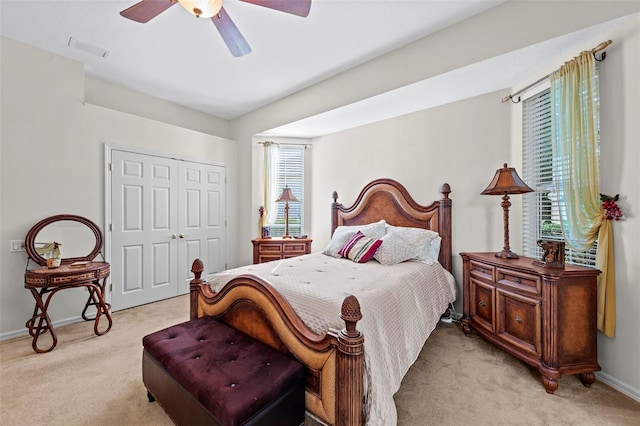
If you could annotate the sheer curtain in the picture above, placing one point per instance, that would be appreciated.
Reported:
(270, 167)
(574, 103)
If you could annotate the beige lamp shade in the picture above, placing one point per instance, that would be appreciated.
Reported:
(286, 198)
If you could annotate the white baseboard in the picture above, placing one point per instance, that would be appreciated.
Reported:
(24, 332)
(618, 385)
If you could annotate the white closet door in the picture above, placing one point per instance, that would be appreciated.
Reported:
(164, 214)
(144, 229)
(201, 219)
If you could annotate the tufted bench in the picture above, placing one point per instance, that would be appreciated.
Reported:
(203, 372)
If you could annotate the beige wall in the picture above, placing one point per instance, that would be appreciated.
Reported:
(458, 143)
(52, 160)
(510, 26)
(620, 173)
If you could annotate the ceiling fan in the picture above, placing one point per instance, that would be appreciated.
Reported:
(146, 10)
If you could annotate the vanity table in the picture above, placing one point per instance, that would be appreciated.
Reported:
(76, 271)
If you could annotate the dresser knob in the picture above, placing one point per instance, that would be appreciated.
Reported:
(518, 280)
(482, 303)
(518, 319)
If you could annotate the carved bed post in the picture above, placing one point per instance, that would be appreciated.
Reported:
(444, 227)
(197, 267)
(334, 212)
(350, 366)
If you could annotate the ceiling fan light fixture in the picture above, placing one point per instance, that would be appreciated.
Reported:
(202, 8)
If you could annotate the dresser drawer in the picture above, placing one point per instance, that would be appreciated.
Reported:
(294, 248)
(523, 282)
(270, 249)
(482, 270)
(266, 248)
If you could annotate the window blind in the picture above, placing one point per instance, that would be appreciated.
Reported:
(287, 169)
(541, 216)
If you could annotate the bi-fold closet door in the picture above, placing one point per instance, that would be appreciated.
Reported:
(164, 214)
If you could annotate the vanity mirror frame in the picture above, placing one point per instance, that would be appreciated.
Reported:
(30, 239)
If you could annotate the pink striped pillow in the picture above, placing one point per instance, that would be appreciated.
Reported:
(359, 248)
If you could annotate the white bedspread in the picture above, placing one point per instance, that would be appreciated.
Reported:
(400, 304)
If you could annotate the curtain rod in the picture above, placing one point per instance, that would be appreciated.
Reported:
(306, 145)
(598, 48)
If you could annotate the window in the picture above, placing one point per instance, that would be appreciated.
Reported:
(285, 168)
(541, 219)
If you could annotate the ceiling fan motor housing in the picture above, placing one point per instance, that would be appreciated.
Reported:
(202, 8)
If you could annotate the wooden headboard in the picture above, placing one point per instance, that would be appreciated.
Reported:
(389, 200)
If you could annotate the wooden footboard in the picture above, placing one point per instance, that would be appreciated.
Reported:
(334, 361)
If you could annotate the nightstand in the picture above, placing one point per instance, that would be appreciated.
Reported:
(268, 249)
(544, 316)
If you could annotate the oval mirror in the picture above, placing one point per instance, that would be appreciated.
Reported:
(73, 238)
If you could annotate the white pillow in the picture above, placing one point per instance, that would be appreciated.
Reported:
(394, 250)
(434, 248)
(404, 243)
(342, 234)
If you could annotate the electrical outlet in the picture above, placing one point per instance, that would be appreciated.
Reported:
(16, 245)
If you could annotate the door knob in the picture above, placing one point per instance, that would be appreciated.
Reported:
(174, 236)
(482, 303)
(181, 236)
(518, 319)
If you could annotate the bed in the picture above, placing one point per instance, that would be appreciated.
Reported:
(348, 381)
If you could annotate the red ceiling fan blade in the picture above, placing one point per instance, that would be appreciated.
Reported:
(294, 7)
(230, 34)
(146, 10)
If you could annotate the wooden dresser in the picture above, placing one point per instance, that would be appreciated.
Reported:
(268, 249)
(544, 316)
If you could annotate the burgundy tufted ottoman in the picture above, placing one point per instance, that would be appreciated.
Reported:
(204, 372)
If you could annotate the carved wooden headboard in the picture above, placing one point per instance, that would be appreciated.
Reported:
(389, 200)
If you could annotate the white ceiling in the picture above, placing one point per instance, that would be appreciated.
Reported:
(181, 59)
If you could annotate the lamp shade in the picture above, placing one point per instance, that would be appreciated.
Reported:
(287, 196)
(506, 181)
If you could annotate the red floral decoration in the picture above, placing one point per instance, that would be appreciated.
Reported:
(609, 203)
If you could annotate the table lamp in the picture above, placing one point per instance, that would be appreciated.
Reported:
(506, 181)
(286, 198)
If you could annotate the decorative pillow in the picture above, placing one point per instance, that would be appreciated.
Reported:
(359, 248)
(342, 234)
(404, 243)
(394, 250)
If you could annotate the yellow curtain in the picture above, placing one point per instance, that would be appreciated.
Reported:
(574, 103)
(270, 182)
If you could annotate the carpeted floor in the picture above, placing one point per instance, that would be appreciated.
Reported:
(456, 380)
